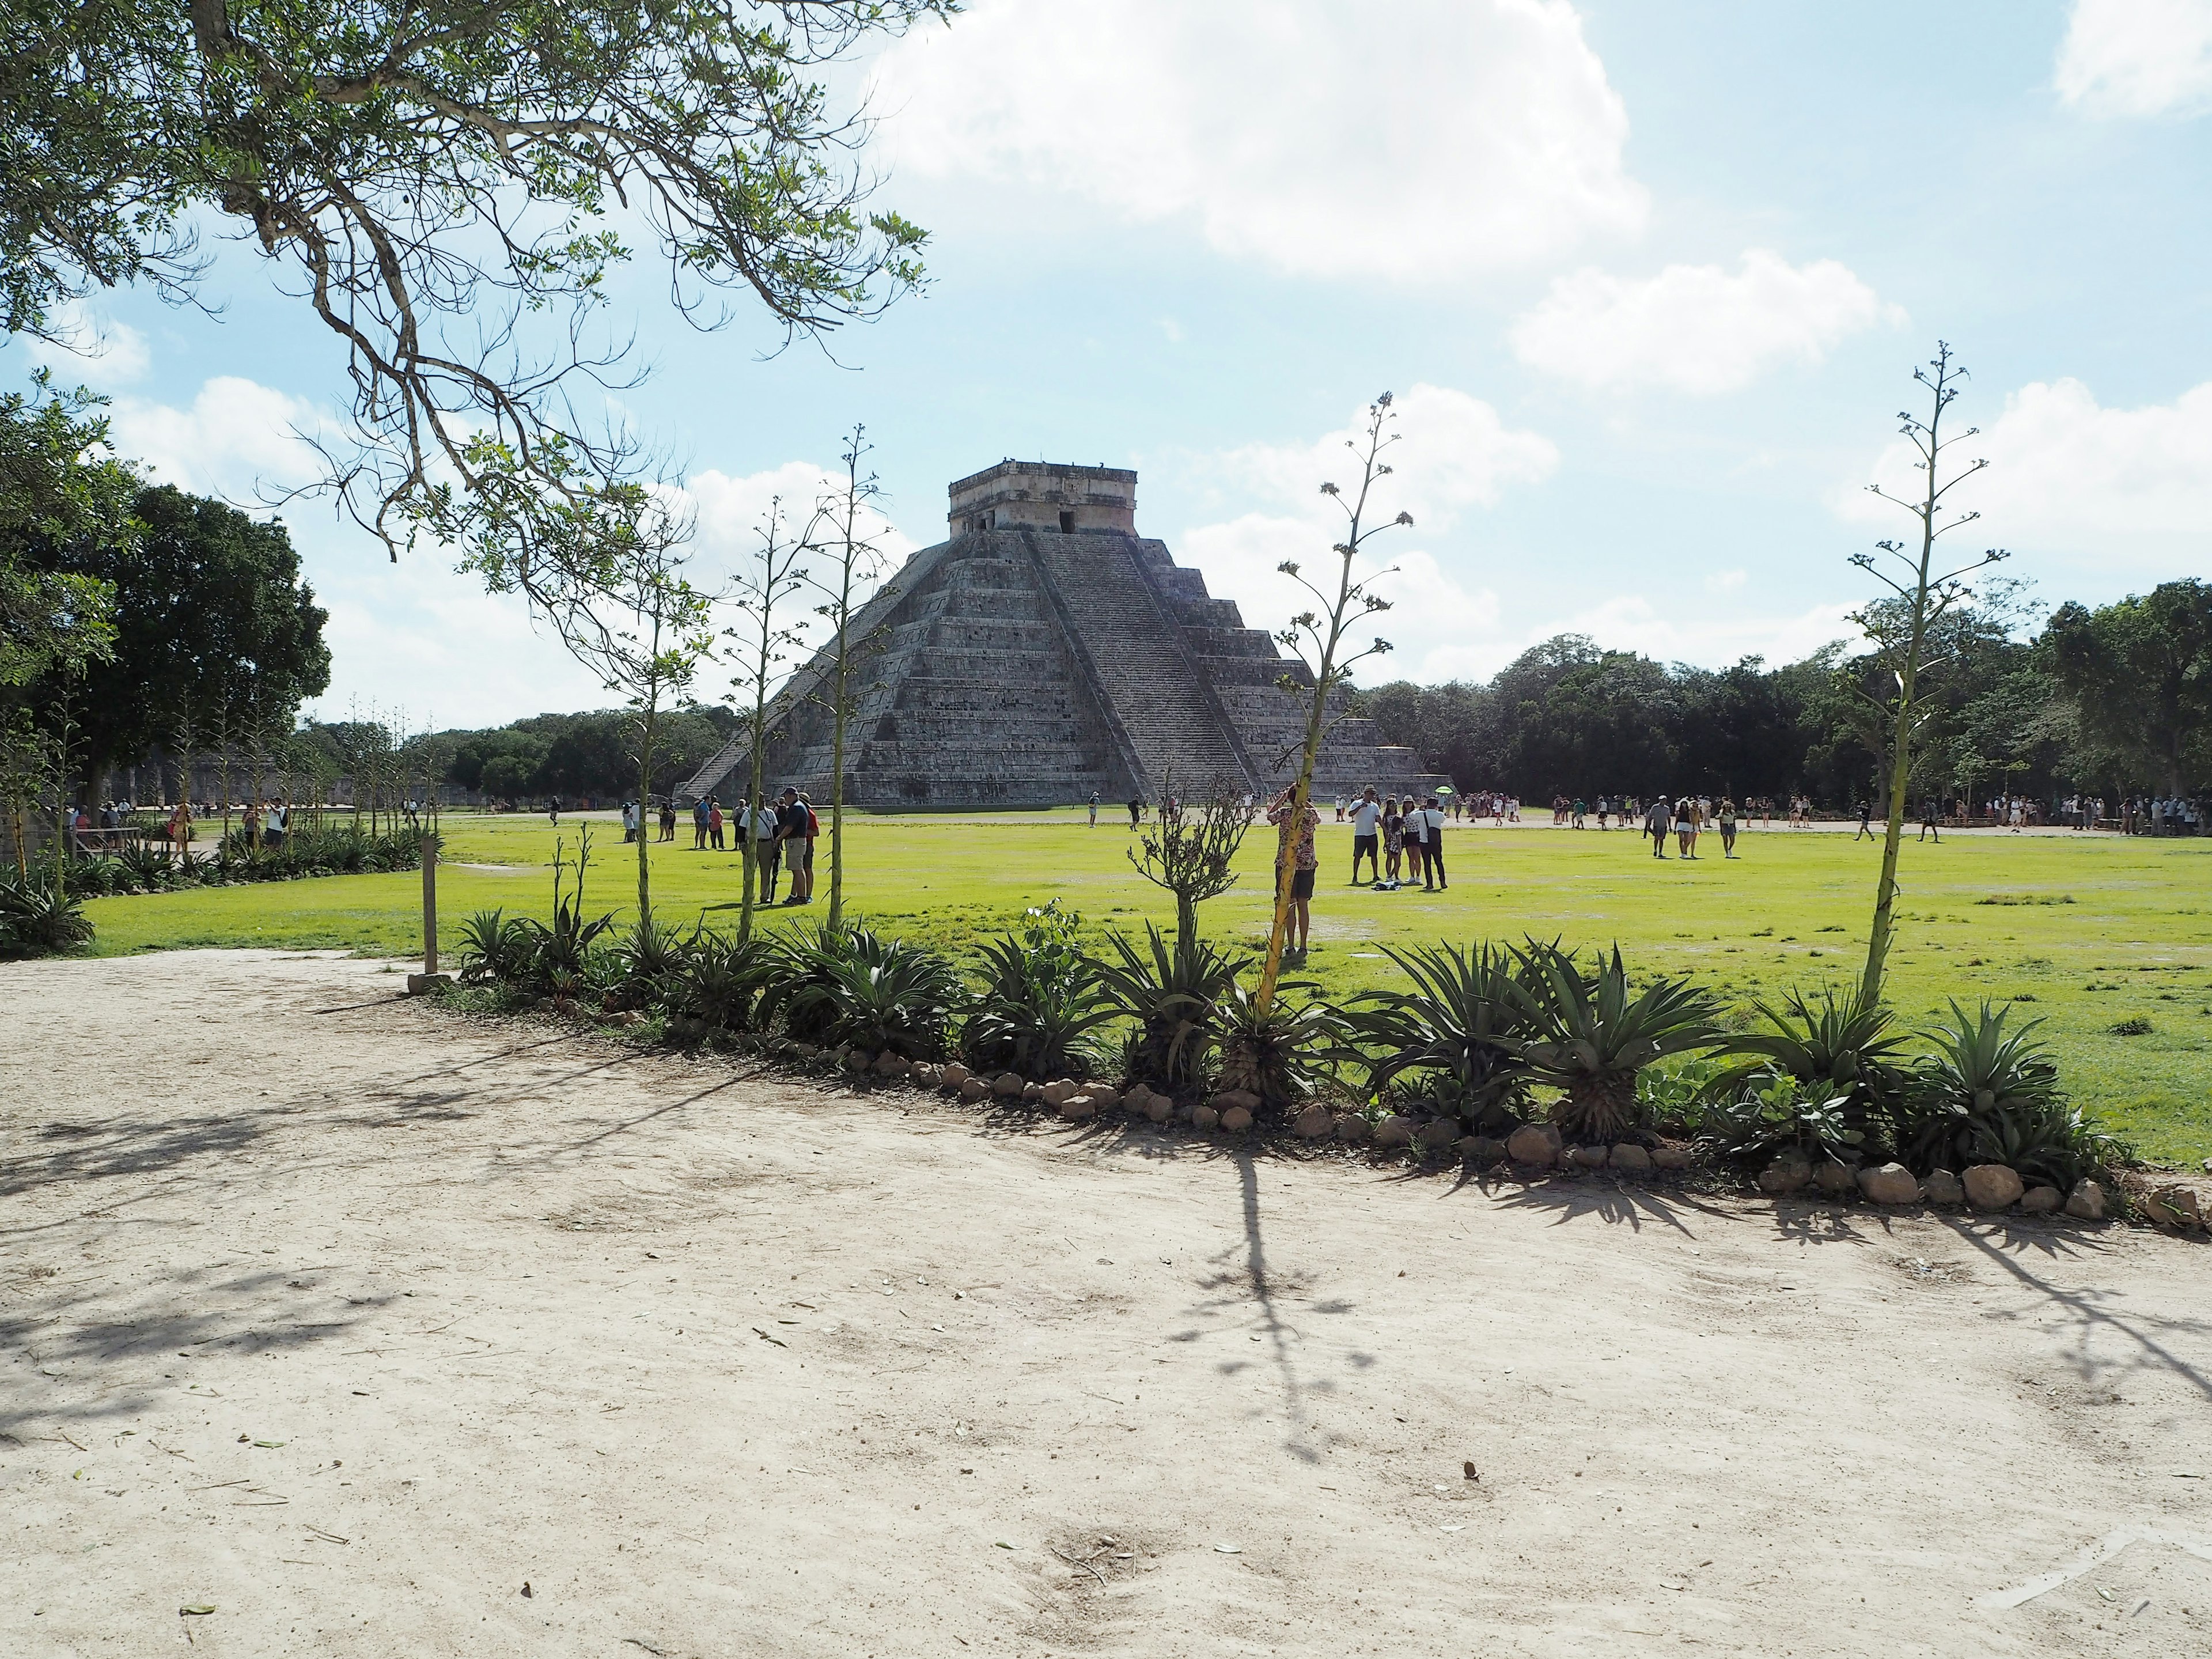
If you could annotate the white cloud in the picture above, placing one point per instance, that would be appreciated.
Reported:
(1457, 453)
(237, 437)
(2137, 57)
(1452, 136)
(2128, 489)
(1696, 328)
(98, 351)
(1453, 452)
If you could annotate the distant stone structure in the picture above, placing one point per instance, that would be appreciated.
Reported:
(1045, 651)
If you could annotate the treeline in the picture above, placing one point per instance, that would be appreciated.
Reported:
(2115, 700)
(577, 757)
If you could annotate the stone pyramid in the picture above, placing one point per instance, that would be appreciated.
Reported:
(1046, 651)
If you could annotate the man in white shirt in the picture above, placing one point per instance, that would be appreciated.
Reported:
(1366, 836)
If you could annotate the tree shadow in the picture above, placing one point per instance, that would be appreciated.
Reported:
(190, 1314)
(2088, 1312)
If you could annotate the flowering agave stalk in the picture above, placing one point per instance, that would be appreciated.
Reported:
(1328, 668)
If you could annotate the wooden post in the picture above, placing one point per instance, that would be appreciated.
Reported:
(429, 979)
(429, 903)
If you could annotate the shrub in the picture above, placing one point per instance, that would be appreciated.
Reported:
(1990, 1095)
(495, 949)
(1775, 1111)
(839, 986)
(1590, 1037)
(720, 981)
(1839, 1042)
(1454, 1027)
(38, 919)
(1041, 1000)
(560, 950)
(1281, 1055)
(643, 968)
(1171, 994)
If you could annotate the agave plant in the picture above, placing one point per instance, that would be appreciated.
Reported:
(720, 980)
(1171, 994)
(1454, 1024)
(1036, 1012)
(560, 953)
(644, 966)
(853, 985)
(495, 949)
(150, 866)
(1990, 1095)
(1839, 1040)
(1282, 1054)
(40, 918)
(1590, 1037)
(1774, 1111)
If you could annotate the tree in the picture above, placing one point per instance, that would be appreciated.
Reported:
(2140, 674)
(59, 498)
(763, 592)
(444, 184)
(1900, 626)
(209, 612)
(853, 559)
(1330, 670)
(1192, 853)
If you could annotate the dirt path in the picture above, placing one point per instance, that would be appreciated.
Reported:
(347, 1319)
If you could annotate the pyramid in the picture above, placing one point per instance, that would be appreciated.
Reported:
(1045, 651)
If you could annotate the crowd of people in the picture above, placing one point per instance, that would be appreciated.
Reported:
(782, 830)
(115, 824)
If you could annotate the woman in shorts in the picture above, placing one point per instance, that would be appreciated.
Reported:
(1393, 839)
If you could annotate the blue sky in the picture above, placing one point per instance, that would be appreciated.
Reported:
(1649, 283)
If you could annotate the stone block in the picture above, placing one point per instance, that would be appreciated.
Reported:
(1993, 1186)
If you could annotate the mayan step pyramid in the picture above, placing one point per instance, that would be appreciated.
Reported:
(1045, 651)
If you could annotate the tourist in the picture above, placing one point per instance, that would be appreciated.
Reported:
(1136, 810)
(699, 824)
(767, 849)
(1094, 809)
(1295, 850)
(1866, 820)
(272, 825)
(1685, 827)
(1655, 825)
(809, 828)
(553, 809)
(713, 823)
(1366, 836)
(1394, 841)
(668, 817)
(1432, 847)
(1416, 830)
(1930, 824)
(1728, 827)
(180, 829)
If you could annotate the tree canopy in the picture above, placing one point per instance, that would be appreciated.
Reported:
(447, 185)
(2140, 673)
(214, 630)
(62, 504)
(2114, 699)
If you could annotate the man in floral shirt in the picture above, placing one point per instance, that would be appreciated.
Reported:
(1303, 860)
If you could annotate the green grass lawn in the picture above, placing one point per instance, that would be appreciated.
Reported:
(2097, 930)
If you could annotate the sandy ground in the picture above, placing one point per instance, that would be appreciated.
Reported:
(347, 1320)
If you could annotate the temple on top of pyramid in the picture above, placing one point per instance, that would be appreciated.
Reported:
(1046, 652)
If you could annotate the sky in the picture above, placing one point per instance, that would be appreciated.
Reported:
(1648, 285)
